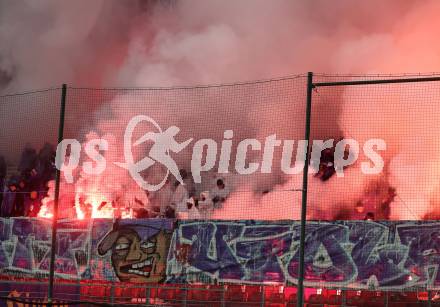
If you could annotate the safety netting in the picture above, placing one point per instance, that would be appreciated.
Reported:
(204, 185)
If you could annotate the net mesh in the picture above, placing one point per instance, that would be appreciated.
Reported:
(272, 112)
(247, 136)
(31, 118)
(404, 116)
(28, 135)
(213, 121)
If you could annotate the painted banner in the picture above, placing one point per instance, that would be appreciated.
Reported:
(342, 254)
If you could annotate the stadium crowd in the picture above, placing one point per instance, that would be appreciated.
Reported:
(183, 201)
(22, 192)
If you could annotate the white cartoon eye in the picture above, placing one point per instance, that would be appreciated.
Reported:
(147, 245)
(121, 246)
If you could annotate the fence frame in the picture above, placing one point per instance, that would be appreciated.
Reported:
(57, 195)
(309, 102)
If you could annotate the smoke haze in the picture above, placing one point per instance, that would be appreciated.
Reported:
(174, 43)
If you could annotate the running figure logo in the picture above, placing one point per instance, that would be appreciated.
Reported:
(163, 143)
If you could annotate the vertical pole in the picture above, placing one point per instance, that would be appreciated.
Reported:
(112, 294)
(57, 194)
(185, 297)
(263, 296)
(147, 295)
(300, 302)
(223, 297)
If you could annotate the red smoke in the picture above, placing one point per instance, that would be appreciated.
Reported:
(139, 44)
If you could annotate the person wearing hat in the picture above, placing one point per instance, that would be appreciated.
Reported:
(138, 249)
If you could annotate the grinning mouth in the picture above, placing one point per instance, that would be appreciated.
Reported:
(143, 268)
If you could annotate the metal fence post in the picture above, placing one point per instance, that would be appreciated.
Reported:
(185, 298)
(57, 194)
(304, 192)
(112, 293)
(147, 296)
(223, 297)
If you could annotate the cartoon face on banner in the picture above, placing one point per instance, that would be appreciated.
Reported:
(138, 250)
